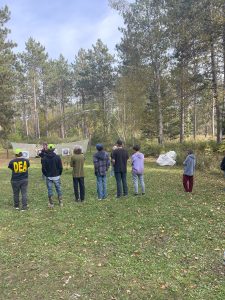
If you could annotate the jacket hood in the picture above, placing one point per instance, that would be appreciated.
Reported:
(139, 155)
(50, 154)
(191, 156)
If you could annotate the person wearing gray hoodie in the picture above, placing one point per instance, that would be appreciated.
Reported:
(137, 161)
(189, 169)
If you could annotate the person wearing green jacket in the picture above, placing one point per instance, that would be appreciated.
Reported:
(77, 163)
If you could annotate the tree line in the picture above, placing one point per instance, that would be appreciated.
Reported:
(167, 82)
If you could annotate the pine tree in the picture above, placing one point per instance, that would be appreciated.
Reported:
(7, 74)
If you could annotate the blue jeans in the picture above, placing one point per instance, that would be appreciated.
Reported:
(139, 177)
(121, 177)
(101, 186)
(57, 185)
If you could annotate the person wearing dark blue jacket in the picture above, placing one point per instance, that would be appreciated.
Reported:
(101, 162)
(52, 169)
(19, 179)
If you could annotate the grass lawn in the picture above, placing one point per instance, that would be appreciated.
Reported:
(164, 245)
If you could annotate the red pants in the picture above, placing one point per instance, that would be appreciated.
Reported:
(188, 183)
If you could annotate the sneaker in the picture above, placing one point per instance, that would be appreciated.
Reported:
(24, 208)
(60, 204)
(100, 199)
(51, 205)
(16, 207)
(143, 194)
(135, 194)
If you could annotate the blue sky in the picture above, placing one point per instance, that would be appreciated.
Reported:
(63, 26)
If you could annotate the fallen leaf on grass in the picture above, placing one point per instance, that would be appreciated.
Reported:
(164, 286)
(44, 275)
(136, 253)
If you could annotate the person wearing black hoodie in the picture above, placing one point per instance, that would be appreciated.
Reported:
(119, 160)
(52, 169)
(101, 162)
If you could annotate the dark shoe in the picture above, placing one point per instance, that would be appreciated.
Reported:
(24, 208)
(135, 194)
(50, 200)
(143, 193)
(60, 201)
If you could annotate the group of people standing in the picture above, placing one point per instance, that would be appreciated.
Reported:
(102, 162)
(52, 168)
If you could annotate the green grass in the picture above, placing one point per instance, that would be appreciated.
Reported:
(164, 245)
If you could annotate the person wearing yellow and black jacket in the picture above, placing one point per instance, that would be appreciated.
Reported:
(19, 180)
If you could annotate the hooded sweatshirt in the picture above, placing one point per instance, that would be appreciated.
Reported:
(51, 164)
(101, 162)
(189, 165)
(137, 161)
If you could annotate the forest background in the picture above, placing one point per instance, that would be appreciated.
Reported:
(166, 85)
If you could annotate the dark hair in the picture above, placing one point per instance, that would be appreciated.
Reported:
(136, 148)
(19, 154)
(190, 151)
(119, 142)
(77, 151)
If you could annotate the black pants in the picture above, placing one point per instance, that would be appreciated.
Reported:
(20, 186)
(121, 177)
(78, 184)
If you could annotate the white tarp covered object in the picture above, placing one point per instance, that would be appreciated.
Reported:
(32, 149)
(167, 159)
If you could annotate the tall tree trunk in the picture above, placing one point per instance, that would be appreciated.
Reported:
(159, 103)
(36, 115)
(62, 114)
(195, 101)
(46, 121)
(84, 121)
(182, 112)
(104, 118)
(215, 92)
(195, 113)
(62, 130)
(27, 128)
(213, 117)
(223, 115)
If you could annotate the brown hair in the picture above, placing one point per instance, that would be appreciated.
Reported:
(77, 151)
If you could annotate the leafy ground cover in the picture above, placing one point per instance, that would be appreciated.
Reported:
(164, 245)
